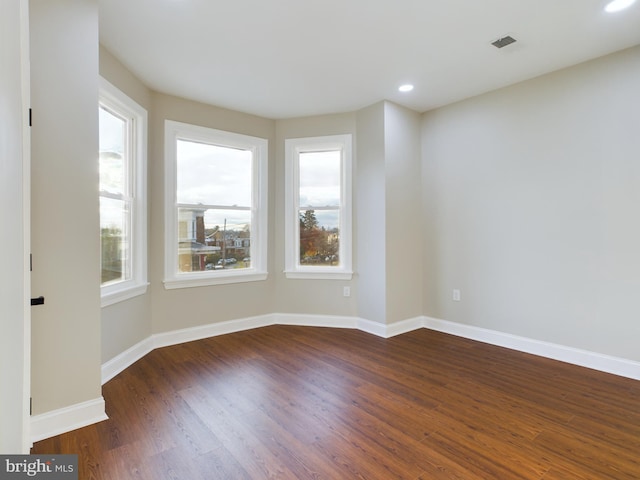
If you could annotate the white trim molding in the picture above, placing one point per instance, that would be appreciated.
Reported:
(256, 208)
(306, 320)
(134, 196)
(404, 326)
(593, 360)
(66, 419)
(575, 356)
(294, 205)
(127, 358)
(211, 330)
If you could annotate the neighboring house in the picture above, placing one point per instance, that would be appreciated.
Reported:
(232, 243)
(193, 247)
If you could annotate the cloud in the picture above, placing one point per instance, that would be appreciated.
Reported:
(213, 175)
(320, 178)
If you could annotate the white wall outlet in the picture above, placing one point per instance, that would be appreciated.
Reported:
(456, 295)
(346, 291)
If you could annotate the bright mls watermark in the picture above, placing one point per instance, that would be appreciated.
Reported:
(50, 467)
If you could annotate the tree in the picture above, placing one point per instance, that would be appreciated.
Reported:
(309, 235)
(308, 220)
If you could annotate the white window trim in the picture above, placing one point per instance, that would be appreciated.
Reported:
(258, 270)
(137, 285)
(293, 148)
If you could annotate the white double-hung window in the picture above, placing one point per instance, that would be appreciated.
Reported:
(216, 206)
(318, 207)
(123, 219)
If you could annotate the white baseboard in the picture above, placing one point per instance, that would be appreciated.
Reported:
(175, 337)
(374, 328)
(66, 419)
(120, 362)
(404, 326)
(127, 358)
(584, 358)
(597, 361)
(304, 320)
(93, 411)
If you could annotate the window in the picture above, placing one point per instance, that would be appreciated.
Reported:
(318, 207)
(216, 194)
(123, 224)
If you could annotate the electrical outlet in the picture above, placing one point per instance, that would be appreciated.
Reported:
(346, 291)
(456, 295)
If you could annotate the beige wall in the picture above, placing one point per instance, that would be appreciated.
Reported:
(313, 297)
(126, 323)
(403, 221)
(120, 76)
(531, 193)
(64, 227)
(525, 196)
(189, 307)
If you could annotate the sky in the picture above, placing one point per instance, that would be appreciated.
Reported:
(320, 174)
(112, 174)
(217, 176)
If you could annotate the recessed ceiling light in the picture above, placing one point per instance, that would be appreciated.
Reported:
(405, 88)
(617, 5)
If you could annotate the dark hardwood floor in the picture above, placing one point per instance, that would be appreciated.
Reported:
(317, 403)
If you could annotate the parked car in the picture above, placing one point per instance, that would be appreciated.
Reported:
(226, 261)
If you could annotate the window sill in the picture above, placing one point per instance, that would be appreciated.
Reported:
(318, 275)
(200, 280)
(122, 294)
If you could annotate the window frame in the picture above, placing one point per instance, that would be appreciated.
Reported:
(293, 148)
(136, 117)
(173, 278)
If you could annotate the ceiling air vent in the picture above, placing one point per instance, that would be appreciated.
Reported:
(503, 42)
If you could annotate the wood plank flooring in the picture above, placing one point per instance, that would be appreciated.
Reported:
(317, 403)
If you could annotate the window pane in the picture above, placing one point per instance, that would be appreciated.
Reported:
(320, 179)
(213, 175)
(319, 237)
(114, 232)
(112, 152)
(213, 239)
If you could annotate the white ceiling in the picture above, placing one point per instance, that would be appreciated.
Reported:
(290, 58)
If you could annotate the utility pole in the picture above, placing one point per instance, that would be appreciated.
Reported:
(224, 245)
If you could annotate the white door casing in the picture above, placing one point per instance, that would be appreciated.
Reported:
(15, 318)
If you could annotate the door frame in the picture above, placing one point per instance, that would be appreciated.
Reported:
(15, 368)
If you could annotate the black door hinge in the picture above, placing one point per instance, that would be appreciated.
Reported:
(30, 124)
(37, 301)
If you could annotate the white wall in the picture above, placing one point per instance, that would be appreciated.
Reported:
(531, 195)
(14, 294)
(404, 229)
(370, 196)
(389, 222)
(64, 222)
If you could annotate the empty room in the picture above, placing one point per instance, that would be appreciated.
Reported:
(304, 240)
